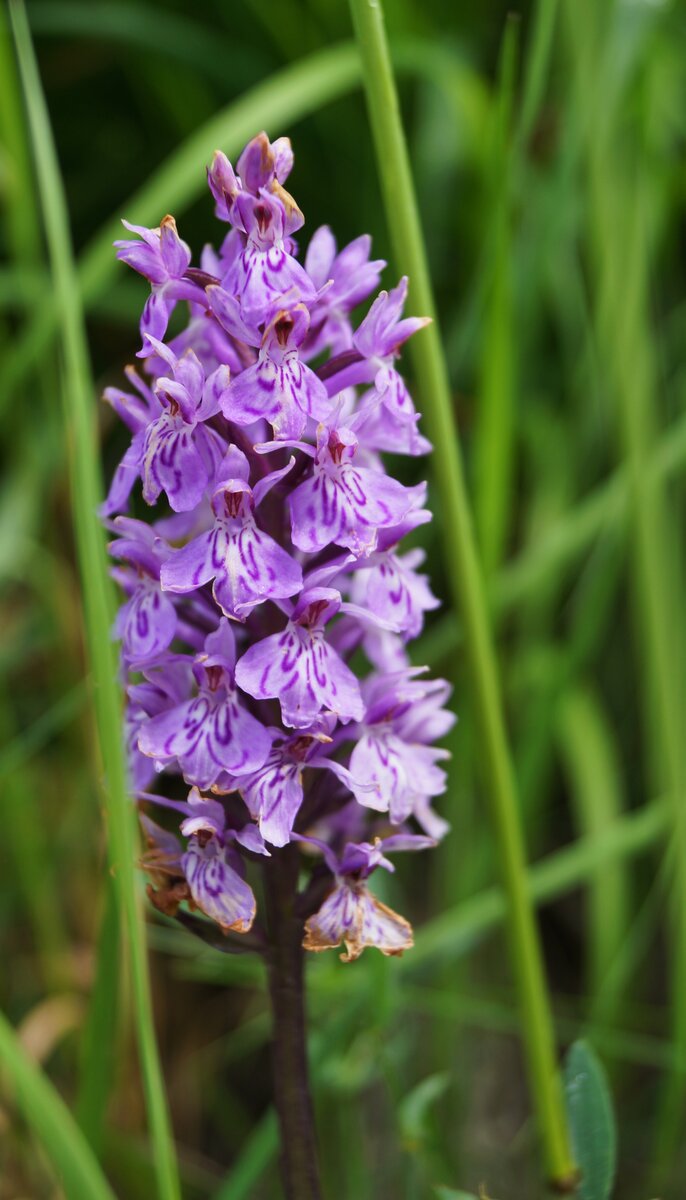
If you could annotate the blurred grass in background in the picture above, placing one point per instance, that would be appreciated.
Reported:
(548, 150)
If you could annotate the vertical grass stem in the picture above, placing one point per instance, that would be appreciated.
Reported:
(79, 415)
(467, 586)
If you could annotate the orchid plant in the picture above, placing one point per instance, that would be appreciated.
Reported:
(272, 710)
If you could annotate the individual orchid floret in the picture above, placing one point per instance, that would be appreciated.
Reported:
(279, 388)
(247, 565)
(147, 622)
(351, 277)
(138, 411)
(180, 453)
(275, 793)
(163, 259)
(399, 773)
(351, 913)
(265, 270)
(211, 732)
(343, 503)
(299, 667)
(378, 339)
(388, 583)
(263, 165)
(208, 875)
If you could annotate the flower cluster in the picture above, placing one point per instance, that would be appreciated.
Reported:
(273, 573)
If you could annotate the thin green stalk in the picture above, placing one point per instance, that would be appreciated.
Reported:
(97, 591)
(591, 761)
(494, 435)
(466, 582)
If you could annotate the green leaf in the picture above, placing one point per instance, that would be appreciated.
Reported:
(592, 1122)
(414, 1110)
(49, 1118)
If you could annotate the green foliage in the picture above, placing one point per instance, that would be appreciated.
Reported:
(592, 1122)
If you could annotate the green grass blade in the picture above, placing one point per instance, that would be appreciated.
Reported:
(79, 413)
(259, 1150)
(494, 432)
(99, 1041)
(47, 1115)
(465, 579)
(592, 766)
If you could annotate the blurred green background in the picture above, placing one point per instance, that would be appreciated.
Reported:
(548, 150)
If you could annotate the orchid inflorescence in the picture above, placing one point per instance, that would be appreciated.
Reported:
(274, 567)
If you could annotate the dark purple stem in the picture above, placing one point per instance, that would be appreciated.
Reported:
(299, 1167)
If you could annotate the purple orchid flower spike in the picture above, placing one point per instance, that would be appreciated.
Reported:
(351, 913)
(211, 732)
(181, 453)
(279, 387)
(247, 565)
(163, 259)
(352, 277)
(343, 503)
(266, 620)
(147, 622)
(300, 669)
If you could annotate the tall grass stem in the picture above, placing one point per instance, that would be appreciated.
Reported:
(80, 421)
(467, 586)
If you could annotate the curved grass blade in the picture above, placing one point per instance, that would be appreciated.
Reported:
(47, 1115)
(79, 414)
(591, 762)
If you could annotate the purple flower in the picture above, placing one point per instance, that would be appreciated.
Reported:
(342, 502)
(352, 277)
(391, 587)
(180, 453)
(388, 415)
(146, 623)
(275, 792)
(266, 620)
(137, 412)
(398, 770)
(212, 732)
(299, 667)
(247, 565)
(208, 875)
(351, 913)
(279, 387)
(163, 259)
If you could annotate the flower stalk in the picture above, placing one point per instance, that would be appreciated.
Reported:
(285, 963)
(467, 585)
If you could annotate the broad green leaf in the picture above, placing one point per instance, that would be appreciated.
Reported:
(592, 1122)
